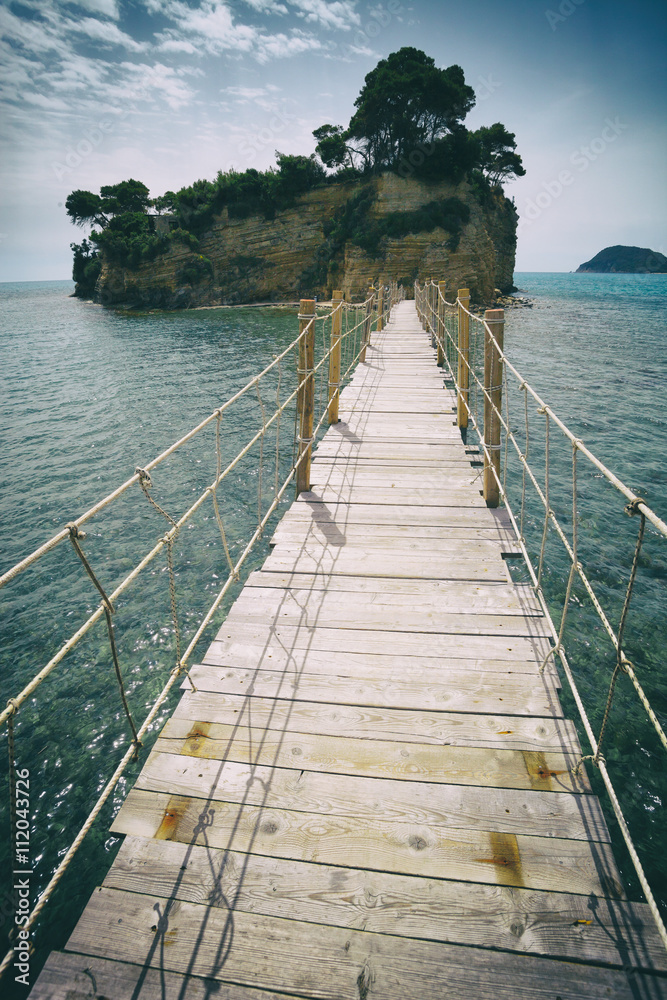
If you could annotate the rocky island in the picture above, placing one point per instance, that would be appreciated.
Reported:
(404, 192)
(625, 260)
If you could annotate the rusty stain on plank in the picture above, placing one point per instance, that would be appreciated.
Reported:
(173, 814)
(506, 857)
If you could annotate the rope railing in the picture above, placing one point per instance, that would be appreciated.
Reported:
(459, 335)
(345, 330)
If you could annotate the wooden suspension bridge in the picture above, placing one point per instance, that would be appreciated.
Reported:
(371, 794)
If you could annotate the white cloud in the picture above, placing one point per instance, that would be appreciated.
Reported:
(177, 45)
(212, 26)
(78, 73)
(103, 31)
(211, 29)
(33, 36)
(108, 8)
(17, 68)
(340, 14)
(248, 93)
(283, 46)
(50, 103)
(144, 82)
(267, 6)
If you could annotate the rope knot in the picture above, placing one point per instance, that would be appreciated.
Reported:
(145, 480)
(633, 507)
(74, 530)
(552, 652)
(13, 704)
(594, 758)
(624, 663)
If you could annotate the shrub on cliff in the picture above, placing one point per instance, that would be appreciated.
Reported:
(86, 267)
(250, 192)
(353, 224)
(130, 238)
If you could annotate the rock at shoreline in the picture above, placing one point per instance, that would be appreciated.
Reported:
(625, 260)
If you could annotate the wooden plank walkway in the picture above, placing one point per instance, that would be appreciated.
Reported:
(369, 796)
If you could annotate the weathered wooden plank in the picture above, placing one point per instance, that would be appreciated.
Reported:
(574, 866)
(71, 976)
(456, 594)
(455, 465)
(513, 919)
(437, 429)
(286, 610)
(427, 451)
(369, 611)
(392, 404)
(308, 505)
(408, 426)
(259, 656)
(353, 560)
(395, 691)
(463, 523)
(295, 531)
(326, 962)
(415, 498)
(504, 732)
(442, 807)
(290, 637)
(462, 551)
(457, 477)
(243, 743)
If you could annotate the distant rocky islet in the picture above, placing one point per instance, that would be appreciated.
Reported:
(625, 260)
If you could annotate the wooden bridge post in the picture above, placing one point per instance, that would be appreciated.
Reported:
(334, 357)
(442, 295)
(464, 357)
(380, 322)
(367, 322)
(306, 393)
(493, 384)
(429, 310)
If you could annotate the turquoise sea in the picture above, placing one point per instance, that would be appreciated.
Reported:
(89, 394)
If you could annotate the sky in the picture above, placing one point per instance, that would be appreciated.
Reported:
(93, 92)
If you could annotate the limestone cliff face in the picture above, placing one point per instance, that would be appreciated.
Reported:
(291, 256)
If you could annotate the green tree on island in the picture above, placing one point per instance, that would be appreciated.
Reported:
(409, 118)
(84, 207)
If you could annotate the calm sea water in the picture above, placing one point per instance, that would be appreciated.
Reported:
(89, 394)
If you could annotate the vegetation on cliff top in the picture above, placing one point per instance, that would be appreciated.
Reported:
(408, 120)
